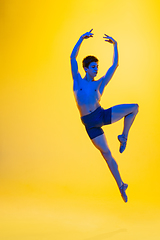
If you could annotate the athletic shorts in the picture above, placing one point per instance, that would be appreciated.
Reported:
(95, 120)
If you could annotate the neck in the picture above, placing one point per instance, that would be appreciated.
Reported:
(88, 78)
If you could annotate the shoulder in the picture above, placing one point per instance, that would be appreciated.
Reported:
(78, 77)
(101, 84)
(99, 81)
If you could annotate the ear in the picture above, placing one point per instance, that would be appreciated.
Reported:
(85, 69)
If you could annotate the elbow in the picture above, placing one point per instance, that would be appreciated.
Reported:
(72, 55)
(117, 64)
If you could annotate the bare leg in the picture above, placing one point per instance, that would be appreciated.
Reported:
(129, 112)
(113, 167)
(100, 142)
(128, 120)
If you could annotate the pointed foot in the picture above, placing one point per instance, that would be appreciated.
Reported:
(123, 193)
(123, 142)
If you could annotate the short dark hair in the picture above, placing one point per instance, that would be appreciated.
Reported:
(87, 60)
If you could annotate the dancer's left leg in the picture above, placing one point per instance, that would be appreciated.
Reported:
(100, 143)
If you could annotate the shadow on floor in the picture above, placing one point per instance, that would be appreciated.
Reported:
(106, 235)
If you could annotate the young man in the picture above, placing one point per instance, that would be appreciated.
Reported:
(88, 93)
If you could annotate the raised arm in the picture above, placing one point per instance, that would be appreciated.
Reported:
(107, 77)
(74, 65)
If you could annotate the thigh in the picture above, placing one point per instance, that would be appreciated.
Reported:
(120, 111)
(100, 143)
(94, 132)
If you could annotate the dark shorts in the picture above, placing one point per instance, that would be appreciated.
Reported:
(95, 120)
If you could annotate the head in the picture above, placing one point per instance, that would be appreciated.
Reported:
(90, 65)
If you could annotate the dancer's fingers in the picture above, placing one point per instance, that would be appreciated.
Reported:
(110, 41)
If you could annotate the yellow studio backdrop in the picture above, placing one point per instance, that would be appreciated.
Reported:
(53, 183)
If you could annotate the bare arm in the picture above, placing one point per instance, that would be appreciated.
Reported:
(76, 48)
(74, 65)
(107, 77)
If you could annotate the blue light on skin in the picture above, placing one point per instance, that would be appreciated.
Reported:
(91, 71)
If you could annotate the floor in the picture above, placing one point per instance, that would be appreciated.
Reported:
(76, 218)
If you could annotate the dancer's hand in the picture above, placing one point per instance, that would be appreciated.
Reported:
(109, 39)
(87, 34)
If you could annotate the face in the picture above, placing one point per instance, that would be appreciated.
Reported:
(92, 69)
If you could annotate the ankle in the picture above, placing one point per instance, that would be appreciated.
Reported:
(121, 184)
(124, 136)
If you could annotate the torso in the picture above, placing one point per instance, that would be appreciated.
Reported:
(87, 95)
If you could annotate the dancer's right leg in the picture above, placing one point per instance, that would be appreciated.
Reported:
(129, 112)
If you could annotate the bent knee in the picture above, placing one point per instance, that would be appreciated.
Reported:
(136, 110)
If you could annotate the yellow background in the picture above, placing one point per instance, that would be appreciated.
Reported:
(53, 183)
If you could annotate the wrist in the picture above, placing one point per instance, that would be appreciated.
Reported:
(81, 38)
